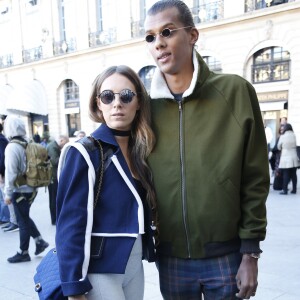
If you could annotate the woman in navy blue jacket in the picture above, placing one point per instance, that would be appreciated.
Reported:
(100, 250)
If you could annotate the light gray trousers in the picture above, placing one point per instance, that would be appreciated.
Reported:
(128, 286)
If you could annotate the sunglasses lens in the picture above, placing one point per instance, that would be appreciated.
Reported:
(107, 97)
(126, 96)
(149, 38)
(166, 32)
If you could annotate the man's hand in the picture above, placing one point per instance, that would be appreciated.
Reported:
(246, 277)
(7, 201)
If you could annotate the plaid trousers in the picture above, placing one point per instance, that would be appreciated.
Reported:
(192, 279)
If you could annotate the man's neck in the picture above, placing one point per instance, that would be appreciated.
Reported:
(179, 83)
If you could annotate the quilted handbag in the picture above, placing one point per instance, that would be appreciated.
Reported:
(47, 278)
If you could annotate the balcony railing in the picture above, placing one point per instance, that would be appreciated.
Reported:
(32, 54)
(104, 37)
(6, 61)
(208, 12)
(137, 29)
(63, 47)
(251, 5)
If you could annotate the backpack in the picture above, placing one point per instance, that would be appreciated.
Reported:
(38, 166)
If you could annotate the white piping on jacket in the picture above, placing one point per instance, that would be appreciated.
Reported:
(90, 202)
(135, 193)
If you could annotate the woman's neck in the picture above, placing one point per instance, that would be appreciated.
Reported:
(117, 132)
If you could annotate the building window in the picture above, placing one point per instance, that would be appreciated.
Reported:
(251, 5)
(72, 103)
(213, 63)
(106, 32)
(99, 15)
(71, 92)
(67, 25)
(138, 14)
(207, 10)
(146, 75)
(271, 64)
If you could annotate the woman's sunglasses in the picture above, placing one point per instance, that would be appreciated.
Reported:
(108, 96)
(166, 32)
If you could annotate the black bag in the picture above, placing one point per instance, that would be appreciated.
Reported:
(47, 278)
(278, 181)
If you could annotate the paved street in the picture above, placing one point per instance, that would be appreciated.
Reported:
(279, 267)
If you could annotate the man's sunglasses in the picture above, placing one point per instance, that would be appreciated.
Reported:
(166, 32)
(108, 96)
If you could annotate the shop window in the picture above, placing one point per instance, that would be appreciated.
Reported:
(271, 64)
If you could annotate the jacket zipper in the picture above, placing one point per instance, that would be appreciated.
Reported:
(183, 178)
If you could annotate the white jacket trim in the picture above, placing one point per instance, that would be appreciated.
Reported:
(90, 202)
(135, 193)
(135, 235)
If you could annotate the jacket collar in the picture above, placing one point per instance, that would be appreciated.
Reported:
(160, 89)
(104, 134)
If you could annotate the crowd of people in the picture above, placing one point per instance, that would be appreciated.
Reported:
(166, 192)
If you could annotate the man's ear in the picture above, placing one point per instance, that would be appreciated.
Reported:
(194, 35)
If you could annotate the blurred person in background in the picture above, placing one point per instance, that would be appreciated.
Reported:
(54, 150)
(289, 161)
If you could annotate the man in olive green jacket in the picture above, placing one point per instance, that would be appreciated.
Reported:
(210, 166)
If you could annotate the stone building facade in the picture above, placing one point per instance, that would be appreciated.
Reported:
(51, 51)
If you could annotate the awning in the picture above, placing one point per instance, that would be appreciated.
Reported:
(269, 106)
(30, 98)
(5, 91)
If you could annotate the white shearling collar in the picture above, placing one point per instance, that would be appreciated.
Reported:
(160, 89)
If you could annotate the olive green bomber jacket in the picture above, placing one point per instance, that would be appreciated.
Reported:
(210, 166)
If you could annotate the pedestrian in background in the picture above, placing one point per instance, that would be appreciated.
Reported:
(22, 196)
(276, 153)
(80, 134)
(100, 250)
(54, 149)
(7, 212)
(289, 161)
(4, 212)
(210, 166)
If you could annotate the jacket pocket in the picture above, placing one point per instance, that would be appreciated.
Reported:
(97, 246)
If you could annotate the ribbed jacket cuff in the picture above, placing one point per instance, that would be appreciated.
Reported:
(250, 246)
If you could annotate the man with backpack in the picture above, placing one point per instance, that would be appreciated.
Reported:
(22, 196)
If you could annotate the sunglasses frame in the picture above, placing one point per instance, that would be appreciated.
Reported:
(169, 33)
(130, 92)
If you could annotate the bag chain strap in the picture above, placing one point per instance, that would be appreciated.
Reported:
(101, 171)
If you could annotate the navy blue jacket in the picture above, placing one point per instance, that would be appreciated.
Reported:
(117, 219)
